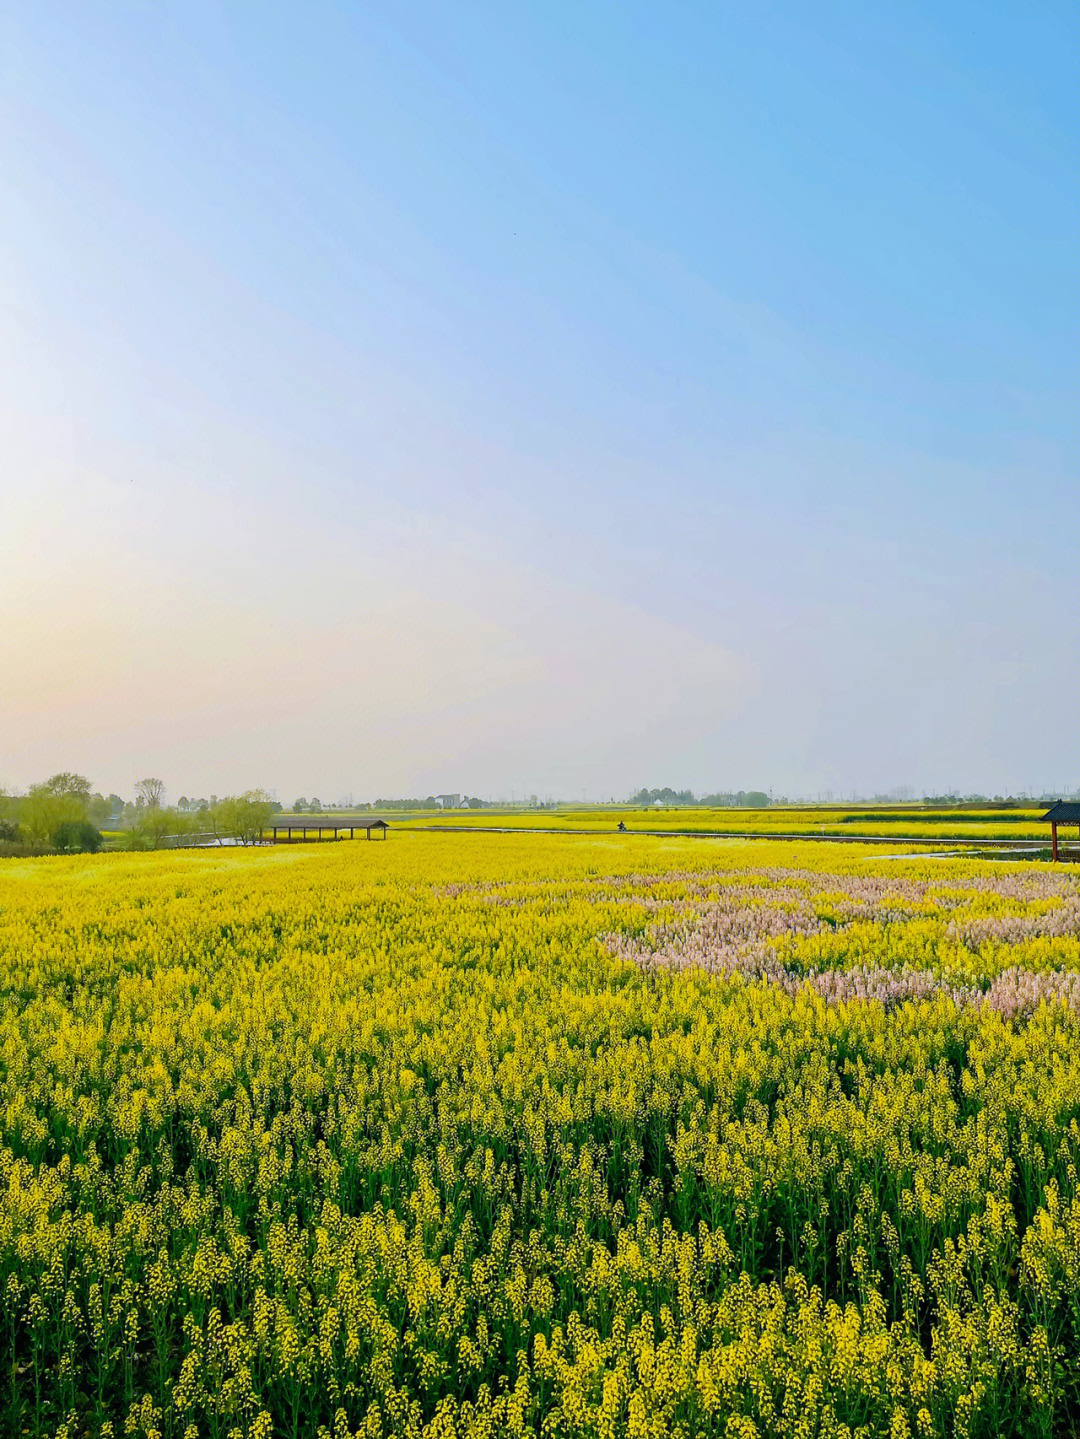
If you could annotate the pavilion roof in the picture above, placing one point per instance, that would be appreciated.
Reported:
(1065, 811)
(322, 821)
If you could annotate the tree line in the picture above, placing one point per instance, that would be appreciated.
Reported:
(729, 799)
(64, 815)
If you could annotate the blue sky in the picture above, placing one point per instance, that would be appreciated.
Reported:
(540, 399)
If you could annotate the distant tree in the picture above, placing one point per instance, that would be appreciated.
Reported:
(475, 803)
(77, 836)
(299, 806)
(153, 823)
(662, 796)
(100, 810)
(9, 832)
(63, 798)
(151, 792)
(67, 786)
(243, 816)
(315, 807)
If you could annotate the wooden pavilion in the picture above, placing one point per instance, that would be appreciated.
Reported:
(1064, 812)
(296, 828)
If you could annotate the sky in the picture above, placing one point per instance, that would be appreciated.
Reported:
(546, 399)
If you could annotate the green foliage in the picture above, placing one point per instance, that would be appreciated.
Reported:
(663, 796)
(67, 786)
(734, 799)
(63, 799)
(149, 829)
(101, 810)
(152, 827)
(244, 816)
(77, 836)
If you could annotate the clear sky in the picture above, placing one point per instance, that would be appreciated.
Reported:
(551, 398)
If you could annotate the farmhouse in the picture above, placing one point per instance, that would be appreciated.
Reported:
(296, 828)
(1064, 812)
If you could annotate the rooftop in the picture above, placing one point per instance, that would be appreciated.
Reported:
(318, 821)
(1065, 811)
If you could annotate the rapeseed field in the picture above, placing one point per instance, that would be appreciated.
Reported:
(959, 823)
(471, 1135)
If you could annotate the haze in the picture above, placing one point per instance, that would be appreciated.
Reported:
(540, 399)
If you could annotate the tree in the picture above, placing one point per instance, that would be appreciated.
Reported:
(100, 810)
(67, 786)
(299, 806)
(315, 807)
(77, 836)
(65, 798)
(151, 792)
(244, 816)
(152, 824)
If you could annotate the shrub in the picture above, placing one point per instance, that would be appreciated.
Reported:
(78, 836)
(9, 832)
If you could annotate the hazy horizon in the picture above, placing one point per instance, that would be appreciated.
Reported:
(546, 401)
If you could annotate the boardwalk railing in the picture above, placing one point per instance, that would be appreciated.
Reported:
(205, 839)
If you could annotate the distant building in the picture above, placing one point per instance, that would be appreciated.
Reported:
(448, 801)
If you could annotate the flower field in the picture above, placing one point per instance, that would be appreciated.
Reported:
(469, 1135)
(966, 823)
